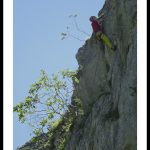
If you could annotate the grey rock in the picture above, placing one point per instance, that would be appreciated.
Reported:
(108, 84)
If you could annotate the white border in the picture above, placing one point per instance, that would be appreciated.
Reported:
(141, 74)
(8, 74)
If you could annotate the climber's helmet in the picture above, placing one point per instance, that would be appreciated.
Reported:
(92, 18)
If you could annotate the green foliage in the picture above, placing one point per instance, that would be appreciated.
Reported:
(54, 124)
(51, 109)
(55, 138)
(48, 100)
(59, 133)
(37, 132)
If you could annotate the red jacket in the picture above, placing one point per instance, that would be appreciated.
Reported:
(96, 26)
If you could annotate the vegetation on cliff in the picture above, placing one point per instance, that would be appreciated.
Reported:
(51, 109)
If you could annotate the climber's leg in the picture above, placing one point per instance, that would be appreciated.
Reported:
(98, 35)
(106, 40)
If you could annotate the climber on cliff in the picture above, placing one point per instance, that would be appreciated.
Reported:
(97, 29)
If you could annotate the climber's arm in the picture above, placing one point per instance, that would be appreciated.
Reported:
(101, 18)
(100, 22)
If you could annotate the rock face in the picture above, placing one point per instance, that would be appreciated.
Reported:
(108, 81)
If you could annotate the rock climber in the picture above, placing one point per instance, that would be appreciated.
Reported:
(97, 29)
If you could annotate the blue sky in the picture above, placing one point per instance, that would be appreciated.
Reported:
(38, 45)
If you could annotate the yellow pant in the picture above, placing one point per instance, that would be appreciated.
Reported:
(104, 38)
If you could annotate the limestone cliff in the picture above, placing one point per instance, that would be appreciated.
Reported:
(107, 84)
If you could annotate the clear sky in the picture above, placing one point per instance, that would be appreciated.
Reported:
(38, 45)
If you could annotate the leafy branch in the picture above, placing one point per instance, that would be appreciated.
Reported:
(48, 100)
